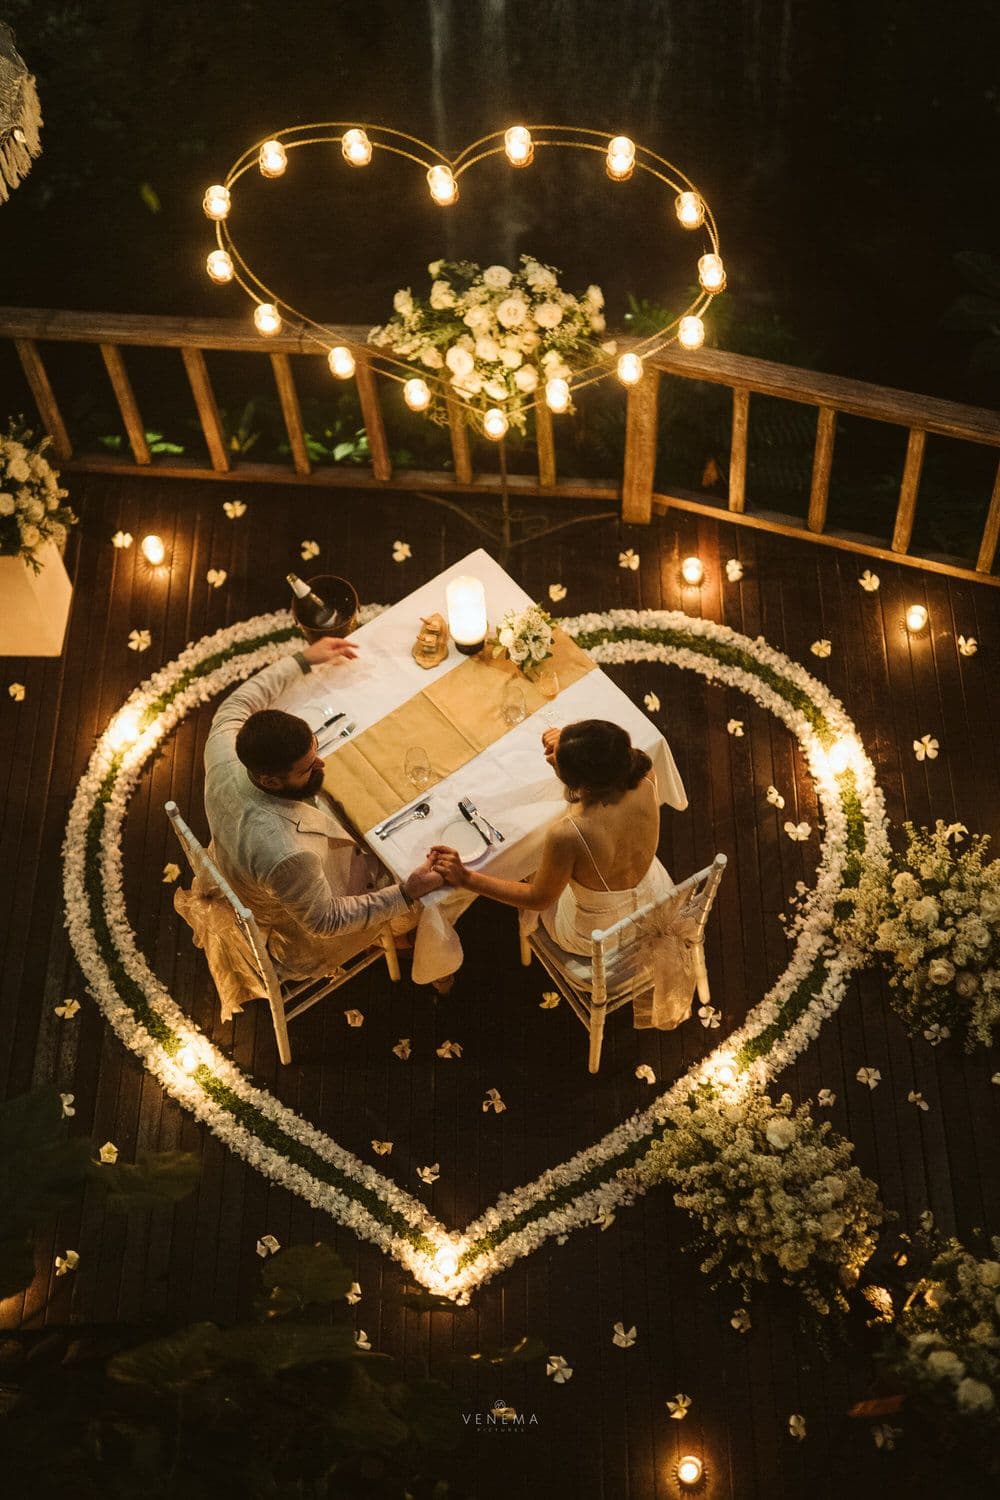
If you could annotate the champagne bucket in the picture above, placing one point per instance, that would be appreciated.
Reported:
(341, 596)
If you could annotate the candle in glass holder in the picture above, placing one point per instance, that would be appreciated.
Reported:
(916, 618)
(690, 1470)
(692, 571)
(153, 550)
(466, 599)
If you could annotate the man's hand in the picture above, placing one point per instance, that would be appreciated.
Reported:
(421, 881)
(329, 648)
(447, 862)
(550, 743)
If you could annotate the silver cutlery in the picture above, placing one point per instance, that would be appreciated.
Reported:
(341, 734)
(472, 815)
(400, 819)
(333, 719)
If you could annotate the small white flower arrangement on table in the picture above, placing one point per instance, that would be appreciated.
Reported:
(525, 636)
(32, 512)
(495, 336)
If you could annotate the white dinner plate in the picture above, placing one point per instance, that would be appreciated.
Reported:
(466, 840)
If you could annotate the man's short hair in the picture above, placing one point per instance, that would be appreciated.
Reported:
(270, 742)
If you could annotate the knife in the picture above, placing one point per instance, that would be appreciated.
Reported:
(326, 723)
(472, 815)
(341, 734)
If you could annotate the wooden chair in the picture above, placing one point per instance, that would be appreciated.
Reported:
(290, 997)
(615, 973)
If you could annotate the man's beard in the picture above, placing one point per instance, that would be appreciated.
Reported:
(302, 793)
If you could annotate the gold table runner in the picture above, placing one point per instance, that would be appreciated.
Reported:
(452, 719)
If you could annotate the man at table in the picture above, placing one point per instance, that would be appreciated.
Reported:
(317, 897)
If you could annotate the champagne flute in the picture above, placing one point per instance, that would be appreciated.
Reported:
(417, 767)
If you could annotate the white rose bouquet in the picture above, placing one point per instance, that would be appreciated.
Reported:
(494, 335)
(31, 503)
(936, 917)
(526, 637)
(776, 1196)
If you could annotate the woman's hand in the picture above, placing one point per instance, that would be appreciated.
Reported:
(448, 864)
(329, 648)
(550, 743)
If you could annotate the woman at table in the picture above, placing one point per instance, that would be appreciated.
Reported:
(599, 861)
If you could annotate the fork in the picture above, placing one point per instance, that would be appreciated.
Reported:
(342, 734)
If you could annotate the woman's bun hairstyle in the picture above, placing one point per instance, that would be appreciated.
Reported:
(597, 757)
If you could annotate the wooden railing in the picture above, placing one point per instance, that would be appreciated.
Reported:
(745, 377)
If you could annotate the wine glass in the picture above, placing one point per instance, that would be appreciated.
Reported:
(417, 767)
(513, 707)
(548, 683)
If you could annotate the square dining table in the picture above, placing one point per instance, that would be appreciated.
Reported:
(510, 781)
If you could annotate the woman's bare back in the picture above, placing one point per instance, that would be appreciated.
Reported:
(621, 838)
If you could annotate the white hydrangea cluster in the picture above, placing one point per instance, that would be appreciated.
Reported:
(32, 512)
(526, 636)
(494, 335)
(946, 1350)
(776, 1195)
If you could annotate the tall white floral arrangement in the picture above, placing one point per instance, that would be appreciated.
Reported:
(495, 335)
(32, 512)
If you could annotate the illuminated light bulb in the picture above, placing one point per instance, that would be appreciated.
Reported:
(630, 369)
(712, 273)
(518, 145)
(219, 266)
(916, 618)
(187, 1059)
(273, 159)
(692, 570)
(690, 1470)
(153, 550)
(690, 210)
(216, 201)
(691, 332)
(124, 729)
(446, 1260)
(341, 362)
(267, 319)
(495, 423)
(357, 148)
(839, 757)
(444, 188)
(557, 395)
(725, 1072)
(417, 394)
(620, 159)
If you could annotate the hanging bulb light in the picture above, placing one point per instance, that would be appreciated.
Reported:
(620, 160)
(341, 362)
(712, 273)
(444, 188)
(495, 423)
(690, 210)
(518, 145)
(691, 332)
(417, 394)
(630, 369)
(557, 395)
(267, 319)
(219, 266)
(357, 148)
(273, 159)
(216, 201)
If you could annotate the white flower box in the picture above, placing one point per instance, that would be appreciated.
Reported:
(34, 607)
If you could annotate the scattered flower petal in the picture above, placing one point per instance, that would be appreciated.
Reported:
(139, 640)
(267, 1245)
(17, 691)
(171, 872)
(67, 1105)
(628, 559)
(550, 999)
(871, 1076)
(561, 1239)
(968, 645)
(956, 831)
(604, 1218)
(493, 1102)
(926, 1221)
(645, 1073)
(354, 1294)
(915, 1097)
(67, 1010)
(740, 1320)
(216, 577)
(775, 798)
(354, 1017)
(995, 1078)
(734, 570)
(936, 1034)
(362, 1340)
(429, 1174)
(449, 1049)
(401, 551)
(926, 748)
(652, 703)
(557, 592)
(108, 1153)
(735, 728)
(122, 539)
(821, 648)
(709, 1016)
(402, 1048)
(66, 1263)
(308, 550)
(234, 509)
(621, 1337)
(557, 1368)
(382, 1148)
(679, 1406)
(869, 581)
(826, 1098)
(798, 832)
(797, 1425)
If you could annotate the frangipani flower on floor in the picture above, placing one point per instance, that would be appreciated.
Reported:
(561, 1239)
(382, 1148)
(493, 1102)
(995, 1078)
(604, 1218)
(122, 540)
(402, 1048)
(775, 798)
(709, 1016)
(645, 1074)
(679, 1406)
(734, 570)
(628, 559)
(621, 1337)
(557, 592)
(926, 748)
(429, 1174)
(821, 648)
(354, 1294)
(171, 872)
(362, 1340)
(869, 581)
(740, 1320)
(968, 645)
(936, 1034)
(915, 1097)
(234, 509)
(139, 640)
(956, 831)
(558, 1370)
(67, 1010)
(651, 703)
(926, 1221)
(16, 690)
(108, 1153)
(798, 832)
(550, 999)
(68, 1262)
(354, 1017)
(449, 1049)
(216, 577)
(267, 1245)
(826, 1098)
(401, 551)
(797, 1425)
(309, 550)
(66, 1100)
(871, 1076)
(735, 728)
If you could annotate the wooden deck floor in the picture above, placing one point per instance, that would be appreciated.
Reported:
(605, 1434)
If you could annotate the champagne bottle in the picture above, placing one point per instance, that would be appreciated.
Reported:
(312, 611)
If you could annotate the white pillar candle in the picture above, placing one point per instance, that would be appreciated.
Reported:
(466, 613)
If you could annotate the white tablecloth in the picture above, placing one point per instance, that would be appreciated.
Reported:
(510, 782)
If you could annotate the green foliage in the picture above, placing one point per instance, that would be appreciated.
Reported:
(155, 441)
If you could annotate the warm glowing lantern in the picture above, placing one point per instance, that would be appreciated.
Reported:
(690, 210)
(219, 266)
(495, 423)
(341, 362)
(357, 148)
(444, 188)
(620, 160)
(273, 159)
(124, 728)
(712, 273)
(692, 571)
(916, 618)
(216, 201)
(417, 394)
(557, 395)
(466, 600)
(518, 145)
(691, 332)
(630, 369)
(153, 550)
(689, 1471)
(267, 319)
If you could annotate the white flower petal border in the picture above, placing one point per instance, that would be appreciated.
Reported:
(301, 1158)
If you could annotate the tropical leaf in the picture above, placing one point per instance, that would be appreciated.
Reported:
(173, 1363)
(307, 1275)
(154, 1180)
